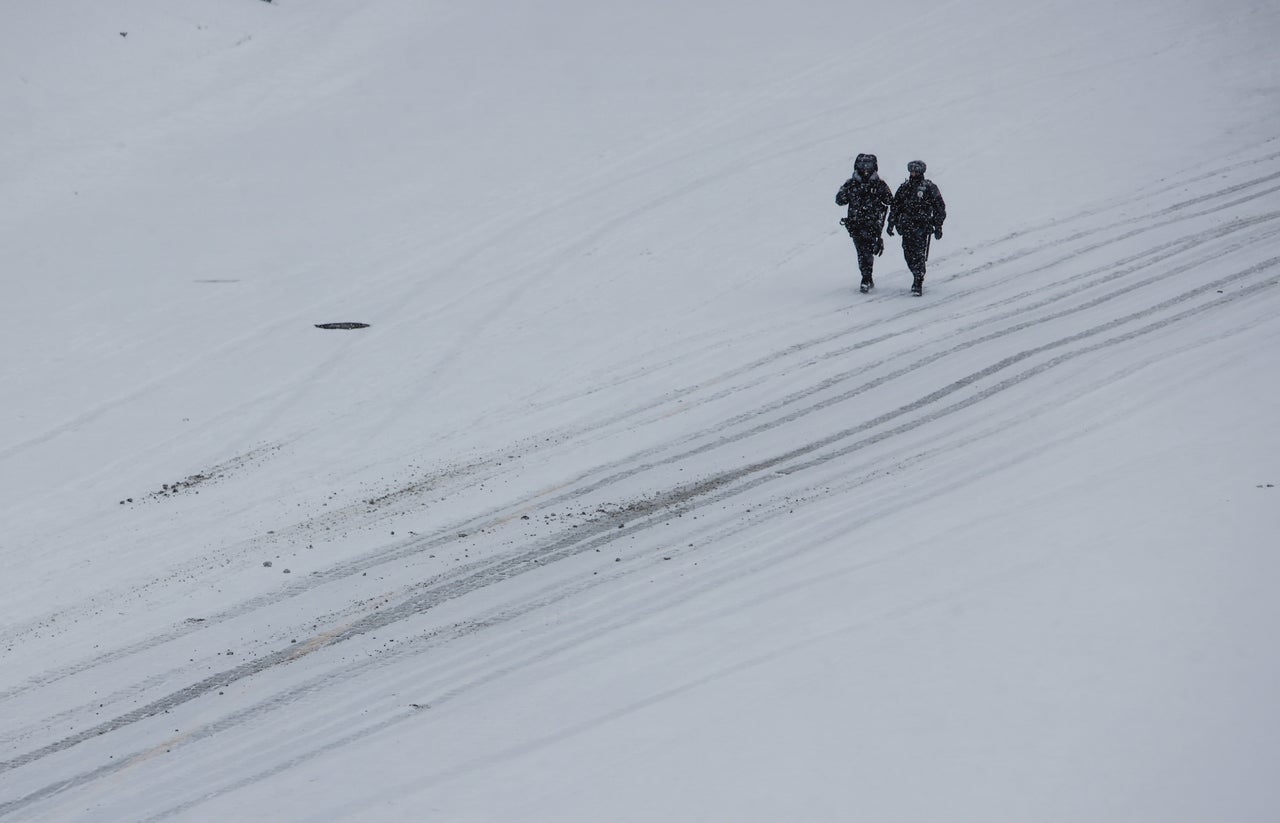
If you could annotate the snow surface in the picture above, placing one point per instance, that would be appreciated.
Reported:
(626, 506)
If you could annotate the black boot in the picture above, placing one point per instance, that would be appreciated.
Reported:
(867, 284)
(917, 285)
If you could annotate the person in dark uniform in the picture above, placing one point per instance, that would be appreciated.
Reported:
(918, 212)
(868, 198)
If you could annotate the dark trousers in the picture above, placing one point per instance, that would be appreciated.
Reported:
(866, 247)
(915, 248)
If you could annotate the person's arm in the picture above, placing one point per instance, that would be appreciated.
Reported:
(895, 207)
(886, 199)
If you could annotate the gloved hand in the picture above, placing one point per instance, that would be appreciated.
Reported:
(878, 248)
(891, 230)
(937, 233)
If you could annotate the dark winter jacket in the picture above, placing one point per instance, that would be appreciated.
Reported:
(917, 207)
(868, 199)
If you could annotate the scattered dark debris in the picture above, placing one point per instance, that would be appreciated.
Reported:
(344, 325)
(287, 571)
(266, 564)
(217, 472)
(186, 483)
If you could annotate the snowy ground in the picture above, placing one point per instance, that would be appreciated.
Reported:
(626, 505)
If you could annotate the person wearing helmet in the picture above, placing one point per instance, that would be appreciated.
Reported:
(867, 197)
(918, 212)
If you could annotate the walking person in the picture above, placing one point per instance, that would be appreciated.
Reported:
(918, 212)
(868, 198)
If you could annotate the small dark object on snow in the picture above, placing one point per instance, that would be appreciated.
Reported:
(124, 34)
(342, 325)
(266, 564)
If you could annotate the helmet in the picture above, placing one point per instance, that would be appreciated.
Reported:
(866, 164)
(916, 167)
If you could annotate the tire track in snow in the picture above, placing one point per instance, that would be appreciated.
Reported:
(702, 493)
(519, 655)
(1152, 193)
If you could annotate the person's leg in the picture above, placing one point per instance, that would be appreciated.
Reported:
(866, 256)
(915, 247)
